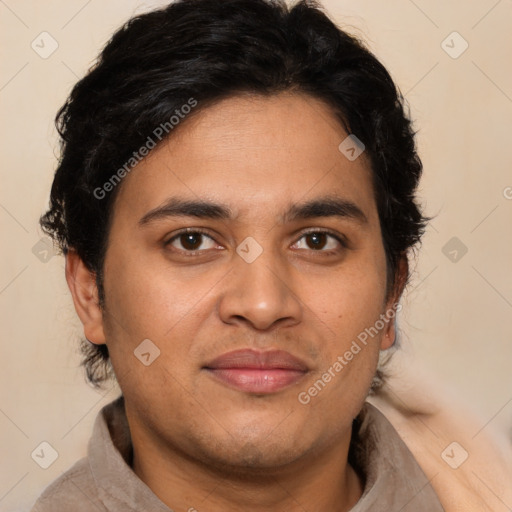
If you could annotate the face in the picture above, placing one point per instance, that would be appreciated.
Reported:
(258, 271)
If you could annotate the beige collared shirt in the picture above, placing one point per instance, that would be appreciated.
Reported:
(104, 481)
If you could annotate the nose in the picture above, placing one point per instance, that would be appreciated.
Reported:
(260, 293)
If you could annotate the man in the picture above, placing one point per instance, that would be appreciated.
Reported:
(236, 203)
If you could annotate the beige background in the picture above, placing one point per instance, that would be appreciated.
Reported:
(457, 320)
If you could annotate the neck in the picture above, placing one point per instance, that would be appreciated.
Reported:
(324, 481)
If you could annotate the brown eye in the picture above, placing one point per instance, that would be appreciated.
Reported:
(190, 241)
(317, 240)
(322, 241)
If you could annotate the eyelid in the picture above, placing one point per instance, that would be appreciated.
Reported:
(337, 236)
(184, 231)
(342, 239)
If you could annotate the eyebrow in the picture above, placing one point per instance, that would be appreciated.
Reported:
(328, 206)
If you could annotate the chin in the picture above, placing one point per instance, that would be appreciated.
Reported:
(251, 461)
(248, 457)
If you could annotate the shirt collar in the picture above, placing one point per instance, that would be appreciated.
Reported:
(393, 480)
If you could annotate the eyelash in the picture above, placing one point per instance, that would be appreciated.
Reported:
(342, 241)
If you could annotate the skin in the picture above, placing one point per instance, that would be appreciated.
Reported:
(199, 444)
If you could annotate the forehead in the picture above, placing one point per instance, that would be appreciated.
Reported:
(255, 154)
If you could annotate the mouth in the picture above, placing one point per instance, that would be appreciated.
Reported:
(251, 371)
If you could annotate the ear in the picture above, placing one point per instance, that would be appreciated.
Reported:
(82, 284)
(389, 334)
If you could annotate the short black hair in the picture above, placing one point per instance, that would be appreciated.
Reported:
(204, 51)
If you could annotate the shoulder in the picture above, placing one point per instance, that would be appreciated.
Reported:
(74, 490)
(467, 465)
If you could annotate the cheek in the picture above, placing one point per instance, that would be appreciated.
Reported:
(147, 299)
(349, 308)
(350, 350)
(351, 298)
(153, 302)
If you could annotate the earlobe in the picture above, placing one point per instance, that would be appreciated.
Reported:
(82, 284)
(390, 332)
(389, 337)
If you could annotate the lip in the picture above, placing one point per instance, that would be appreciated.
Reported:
(252, 371)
